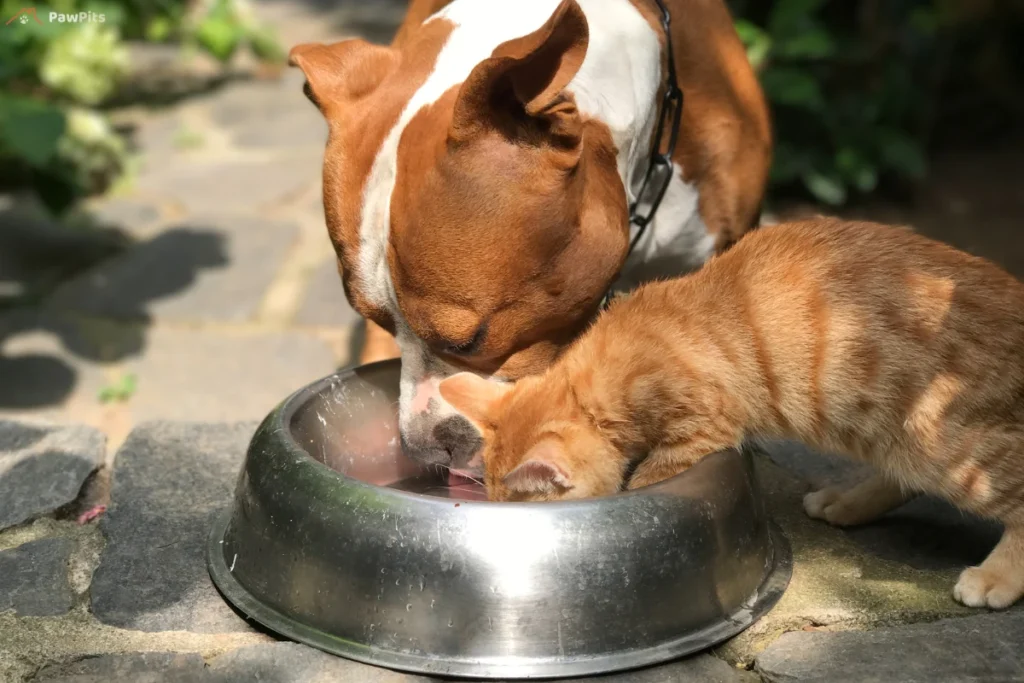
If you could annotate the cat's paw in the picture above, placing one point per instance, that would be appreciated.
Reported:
(828, 504)
(980, 587)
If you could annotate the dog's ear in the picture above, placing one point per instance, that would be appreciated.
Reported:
(343, 71)
(473, 396)
(527, 76)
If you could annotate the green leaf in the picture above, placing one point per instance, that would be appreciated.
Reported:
(825, 188)
(854, 167)
(757, 42)
(159, 29)
(219, 36)
(30, 129)
(814, 44)
(902, 154)
(749, 32)
(119, 391)
(792, 87)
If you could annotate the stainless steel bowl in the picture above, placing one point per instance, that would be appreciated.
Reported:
(335, 539)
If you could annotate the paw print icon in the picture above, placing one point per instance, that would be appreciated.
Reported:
(23, 15)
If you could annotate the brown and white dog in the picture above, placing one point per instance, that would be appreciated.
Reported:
(479, 170)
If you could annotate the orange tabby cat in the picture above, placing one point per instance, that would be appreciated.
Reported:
(851, 337)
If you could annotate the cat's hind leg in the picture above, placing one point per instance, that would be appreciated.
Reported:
(850, 505)
(999, 581)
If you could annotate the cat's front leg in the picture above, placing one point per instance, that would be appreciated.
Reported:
(999, 581)
(850, 505)
(665, 462)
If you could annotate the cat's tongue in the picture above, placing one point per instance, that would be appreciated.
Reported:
(463, 477)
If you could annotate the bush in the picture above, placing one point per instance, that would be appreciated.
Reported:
(855, 85)
(55, 75)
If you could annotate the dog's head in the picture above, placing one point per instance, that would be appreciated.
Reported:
(476, 212)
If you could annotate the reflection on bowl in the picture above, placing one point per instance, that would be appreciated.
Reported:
(336, 539)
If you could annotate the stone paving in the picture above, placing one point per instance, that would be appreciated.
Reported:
(204, 290)
(129, 596)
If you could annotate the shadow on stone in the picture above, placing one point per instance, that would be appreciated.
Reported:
(123, 288)
(928, 533)
(34, 381)
(38, 252)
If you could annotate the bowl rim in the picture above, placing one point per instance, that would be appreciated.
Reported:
(763, 599)
(280, 420)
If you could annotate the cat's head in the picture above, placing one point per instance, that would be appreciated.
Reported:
(539, 442)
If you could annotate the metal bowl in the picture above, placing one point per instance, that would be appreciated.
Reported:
(337, 540)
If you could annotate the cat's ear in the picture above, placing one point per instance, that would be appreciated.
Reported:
(473, 396)
(543, 470)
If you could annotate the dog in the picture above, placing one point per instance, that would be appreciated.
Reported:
(480, 172)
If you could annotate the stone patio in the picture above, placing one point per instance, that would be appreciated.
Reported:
(129, 597)
(204, 291)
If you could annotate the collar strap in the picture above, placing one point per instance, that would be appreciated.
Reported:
(659, 169)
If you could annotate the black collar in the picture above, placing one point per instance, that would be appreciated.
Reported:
(659, 170)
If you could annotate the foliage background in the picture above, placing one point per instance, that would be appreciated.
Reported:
(861, 90)
(56, 79)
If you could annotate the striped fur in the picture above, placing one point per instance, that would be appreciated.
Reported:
(851, 337)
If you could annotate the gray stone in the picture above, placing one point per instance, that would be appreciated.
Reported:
(158, 137)
(199, 375)
(262, 102)
(210, 269)
(294, 663)
(34, 578)
(926, 533)
(267, 114)
(137, 667)
(984, 648)
(308, 129)
(170, 480)
(134, 216)
(42, 468)
(695, 669)
(325, 303)
(269, 663)
(250, 186)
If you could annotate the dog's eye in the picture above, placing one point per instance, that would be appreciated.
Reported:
(467, 347)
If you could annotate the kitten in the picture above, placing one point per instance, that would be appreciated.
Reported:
(851, 337)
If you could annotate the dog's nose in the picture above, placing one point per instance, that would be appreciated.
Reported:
(459, 437)
(424, 450)
(452, 441)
